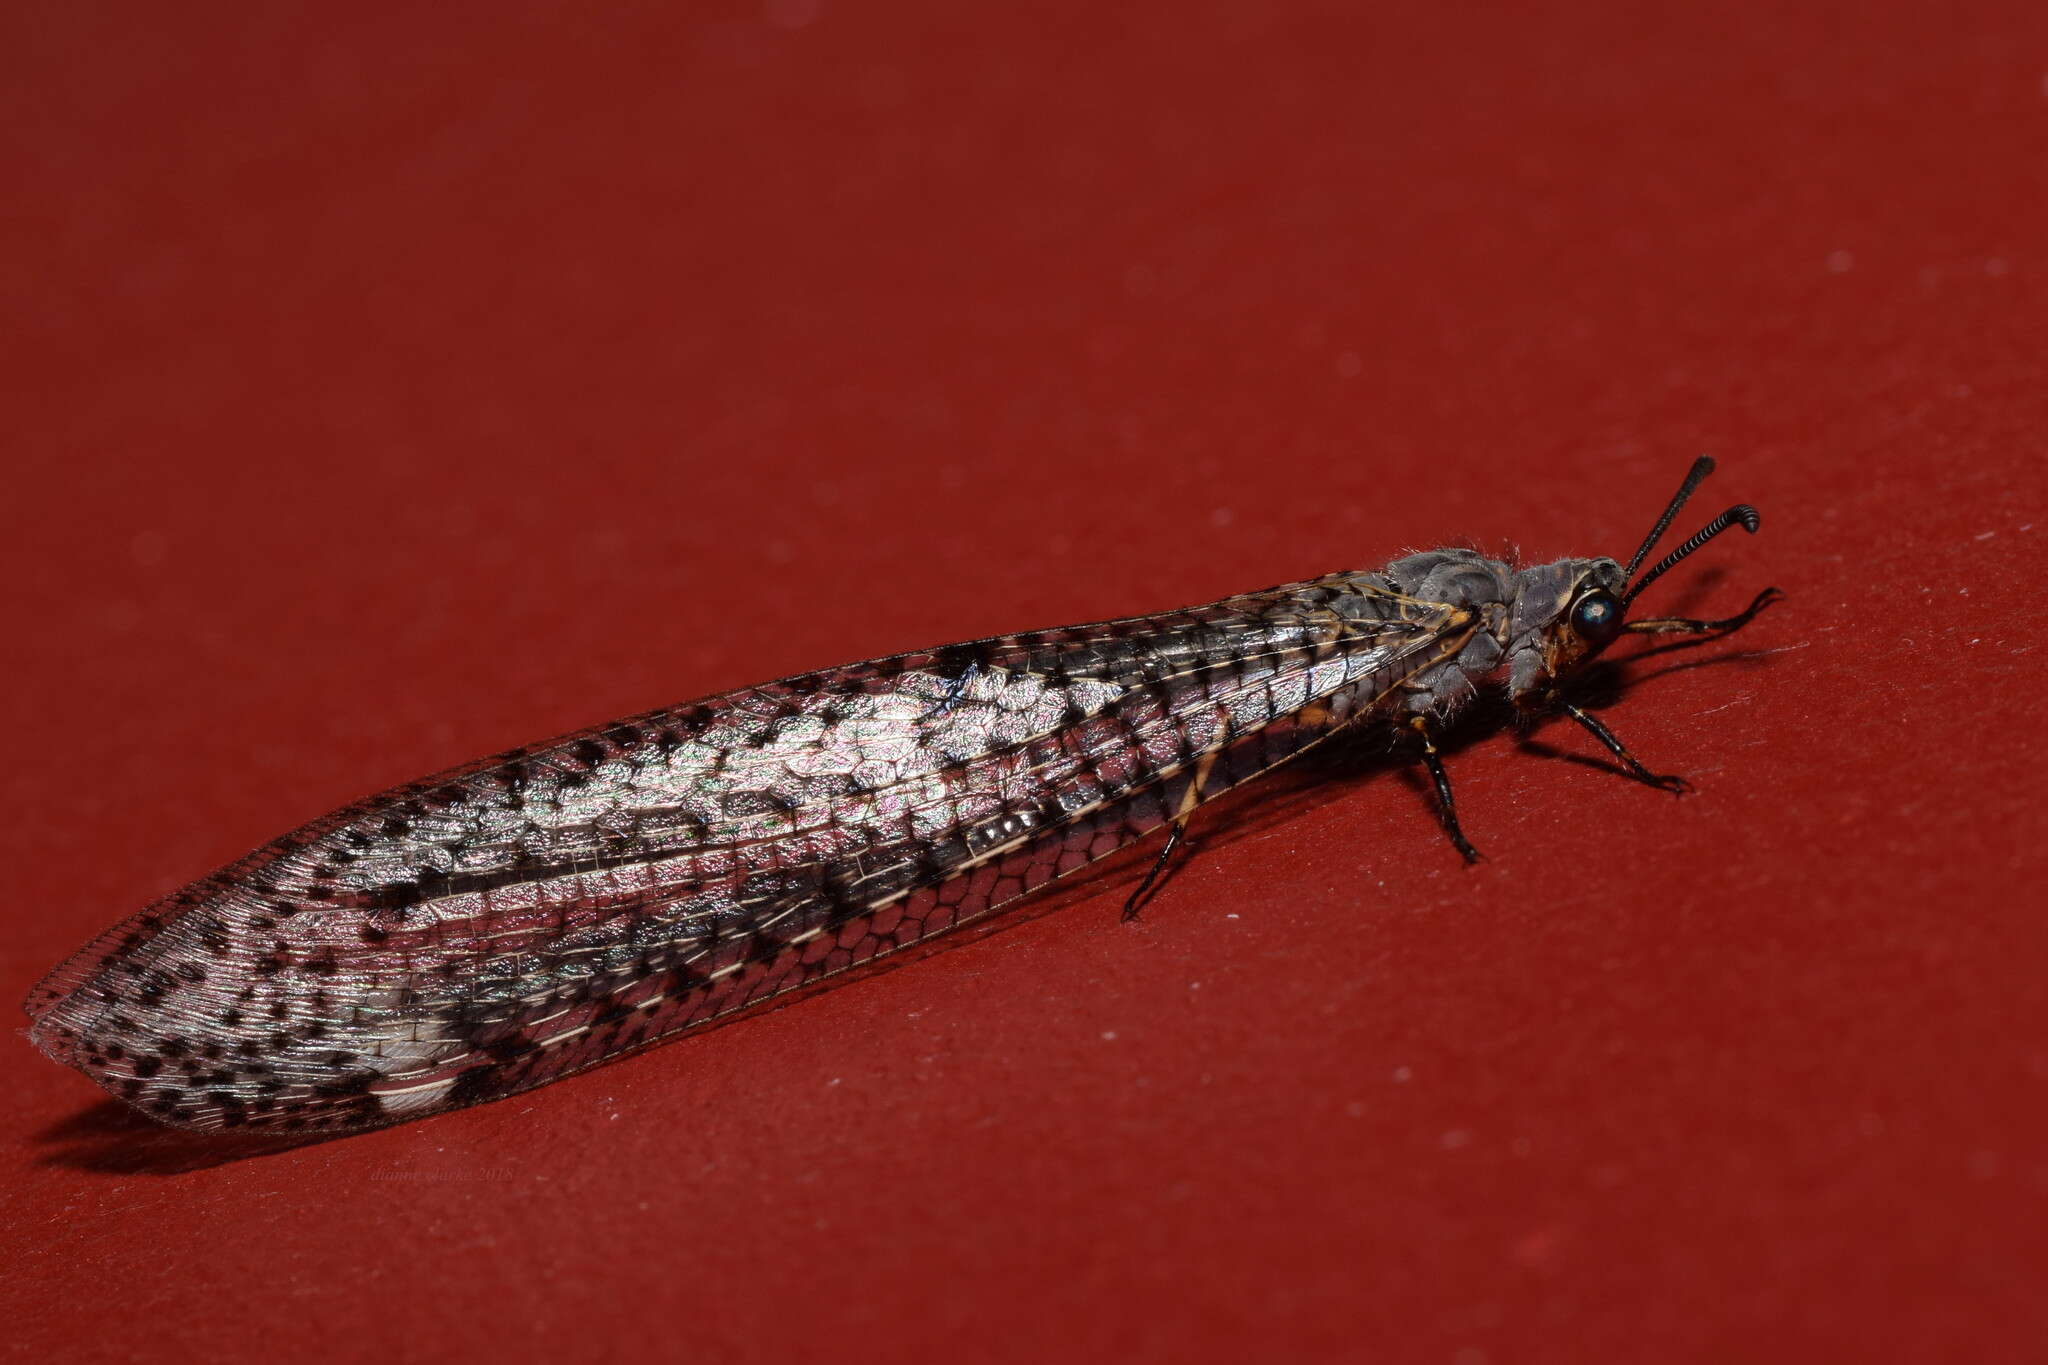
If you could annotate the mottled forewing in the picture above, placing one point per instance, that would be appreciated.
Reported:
(509, 923)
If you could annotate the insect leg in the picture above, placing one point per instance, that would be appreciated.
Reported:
(1447, 809)
(1158, 866)
(1188, 802)
(1683, 625)
(1677, 786)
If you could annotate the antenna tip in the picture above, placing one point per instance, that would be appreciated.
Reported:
(1746, 514)
(1702, 467)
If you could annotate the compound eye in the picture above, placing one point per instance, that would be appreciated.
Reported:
(1596, 616)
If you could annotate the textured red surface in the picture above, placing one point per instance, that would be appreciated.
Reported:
(387, 385)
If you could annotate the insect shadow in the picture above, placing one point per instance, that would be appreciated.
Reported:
(109, 1138)
(106, 1137)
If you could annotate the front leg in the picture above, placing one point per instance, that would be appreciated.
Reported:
(1686, 625)
(1677, 786)
(1663, 625)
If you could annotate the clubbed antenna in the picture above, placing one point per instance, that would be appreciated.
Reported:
(1741, 513)
(1701, 467)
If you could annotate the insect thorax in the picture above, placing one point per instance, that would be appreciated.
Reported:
(1513, 612)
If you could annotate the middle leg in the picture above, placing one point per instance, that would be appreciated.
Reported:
(1447, 809)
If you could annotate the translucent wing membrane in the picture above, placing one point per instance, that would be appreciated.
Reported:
(514, 921)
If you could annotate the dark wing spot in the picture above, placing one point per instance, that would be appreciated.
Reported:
(395, 896)
(477, 1084)
(508, 1049)
(341, 1086)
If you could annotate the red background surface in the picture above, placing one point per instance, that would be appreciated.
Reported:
(387, 385)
